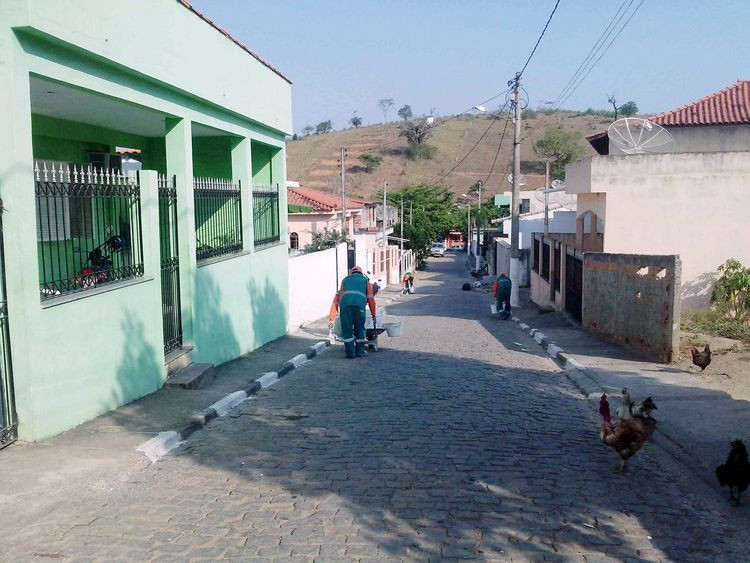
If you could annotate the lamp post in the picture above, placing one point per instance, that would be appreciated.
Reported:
(478, 195)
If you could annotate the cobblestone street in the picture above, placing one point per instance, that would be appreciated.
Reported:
(461, 439)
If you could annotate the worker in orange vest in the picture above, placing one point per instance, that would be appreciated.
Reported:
(408, 283)
(354, 294)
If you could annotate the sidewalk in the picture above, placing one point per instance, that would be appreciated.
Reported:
(696, 420)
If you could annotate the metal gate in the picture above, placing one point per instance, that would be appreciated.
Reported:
(170, 264)
(8, 420)
(574, 284)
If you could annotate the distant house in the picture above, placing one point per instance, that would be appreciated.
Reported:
(313, 211)
(690, 200)
(140, 164)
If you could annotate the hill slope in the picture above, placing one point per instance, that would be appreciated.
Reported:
(313, 160)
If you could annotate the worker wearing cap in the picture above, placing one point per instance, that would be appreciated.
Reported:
(408, 283)
(353, 295)
(501, 290)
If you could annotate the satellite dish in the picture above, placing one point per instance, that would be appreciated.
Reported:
(521, 179)
(557, 185)
(633, 135)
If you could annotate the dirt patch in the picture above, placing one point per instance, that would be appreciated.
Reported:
(730, 362)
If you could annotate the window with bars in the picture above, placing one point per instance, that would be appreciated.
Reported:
(88, 227)
(535, 258)
(545, 261)
(266, 215)
(218, 217)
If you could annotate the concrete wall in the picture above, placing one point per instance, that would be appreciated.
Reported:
(560, 221)
(693, 205)
(634, 300)
(313, 281)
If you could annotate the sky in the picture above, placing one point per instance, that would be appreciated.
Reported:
(449, 55)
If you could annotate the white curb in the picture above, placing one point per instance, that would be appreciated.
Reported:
(268, 379)
(223, 406)
(319, 347)
(539, 336)
(553, 350)
(572, 363)
(298, 360)
(159, 445)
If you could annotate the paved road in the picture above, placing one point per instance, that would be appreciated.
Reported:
(458, 440)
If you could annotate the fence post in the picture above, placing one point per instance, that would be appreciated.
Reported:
(242, 172)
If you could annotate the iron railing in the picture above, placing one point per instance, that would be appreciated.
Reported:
(218, 217)
(170, 264)
(266, 214)
(88, 228)
(8, 418)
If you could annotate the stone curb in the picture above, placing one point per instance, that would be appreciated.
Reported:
(164, 442)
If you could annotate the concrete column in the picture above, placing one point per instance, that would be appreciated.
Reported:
(179, 149)
(242, 171)
(278, 170)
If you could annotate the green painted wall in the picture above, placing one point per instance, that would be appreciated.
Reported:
(212, 157)
(262, 155)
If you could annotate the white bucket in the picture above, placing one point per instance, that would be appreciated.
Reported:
(493, 308)
(393, 328)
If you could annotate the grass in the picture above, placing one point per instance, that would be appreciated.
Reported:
(714, 322)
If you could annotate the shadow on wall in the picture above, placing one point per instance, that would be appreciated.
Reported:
(216, 341)
(268, 311)
(139, 372)
(696, 294)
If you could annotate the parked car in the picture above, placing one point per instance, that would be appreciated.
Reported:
(457, 248)
(438, 249)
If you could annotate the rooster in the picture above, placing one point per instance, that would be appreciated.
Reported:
(628, 435)
(701, 359)
(625, 410)
(735, 472)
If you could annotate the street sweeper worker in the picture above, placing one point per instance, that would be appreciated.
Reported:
(354, 294)
(501, 290)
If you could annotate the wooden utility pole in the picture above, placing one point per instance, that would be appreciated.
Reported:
(515, 251)
(546, 197)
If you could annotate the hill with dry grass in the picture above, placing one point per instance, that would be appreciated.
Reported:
(313, 160)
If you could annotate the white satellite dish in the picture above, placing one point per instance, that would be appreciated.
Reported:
(557, 185)
(633, 135)
(521, 179)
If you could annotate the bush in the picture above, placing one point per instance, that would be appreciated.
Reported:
(713, 321)
(420, 152)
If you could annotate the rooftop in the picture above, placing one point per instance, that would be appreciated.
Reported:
(319, 200)
(729, 106)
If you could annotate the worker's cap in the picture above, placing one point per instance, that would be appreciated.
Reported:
(355, 269)
(502, 275)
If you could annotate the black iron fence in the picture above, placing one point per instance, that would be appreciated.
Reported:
(266, 214)
(8, 419)
(218, 217)
(170, 265)
(88, 228)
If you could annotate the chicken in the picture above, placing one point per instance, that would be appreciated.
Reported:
(701, 359)
(625, 410)
(628, 435)
(604, 409)
(645, 408)
(735, 473)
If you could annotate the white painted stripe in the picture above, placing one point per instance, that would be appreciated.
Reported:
(524, 326)
(572, 363)
(515, 319)
(533, 331)
(298, 360)
(223, 406)
(268, 379)
(159, 445)
(538, 337)
(553, 350)
(319, 347)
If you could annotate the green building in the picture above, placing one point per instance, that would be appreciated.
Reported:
(141, 155)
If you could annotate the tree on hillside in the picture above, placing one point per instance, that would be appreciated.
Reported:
(307, 129)
(405, 113)
(628, 108)
(385, 104)
(356, 121)
(323, 127)
(370, 161)
(417, 132)
(560, 147)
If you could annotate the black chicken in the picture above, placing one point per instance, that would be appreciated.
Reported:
(701, 359)
(735, 473)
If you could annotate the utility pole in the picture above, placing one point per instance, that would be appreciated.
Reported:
(411, 212)
(342, 161)
(468, 232)
(385, 240)
(401, 242)
(479, 223)
(515, 252)
(546, 197)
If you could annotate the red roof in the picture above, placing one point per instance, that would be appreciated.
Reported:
(229, 36)
(318, 200)
(729, 106)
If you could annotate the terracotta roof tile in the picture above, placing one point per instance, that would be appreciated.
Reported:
(318, 200)
(189, 6)
(729, 106)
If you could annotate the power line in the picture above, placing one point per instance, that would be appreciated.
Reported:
(540, 37)
(500, 146)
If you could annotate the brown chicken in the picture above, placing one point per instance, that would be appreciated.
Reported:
(701, 359)
(629, 435)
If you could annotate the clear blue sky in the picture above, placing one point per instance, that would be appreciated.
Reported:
(343, 57)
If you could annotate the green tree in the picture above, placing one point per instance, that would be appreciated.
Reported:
(417, 132)
(628, 108)
(385, 104)
(324, 240)
(323, 127)
(307, 129)
(405, 113)
(560, 147)
(356, 121)
(732, 290)
(370, 161)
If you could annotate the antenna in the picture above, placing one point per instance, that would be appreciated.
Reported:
(521, 179)
(633, 135)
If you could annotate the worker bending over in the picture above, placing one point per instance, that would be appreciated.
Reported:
(501, 290)
(408, 283)
(355, 292)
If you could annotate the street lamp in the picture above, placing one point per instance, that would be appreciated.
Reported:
(478, 195)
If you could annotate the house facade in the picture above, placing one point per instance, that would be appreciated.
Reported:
(114, 271)
(690, 200)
